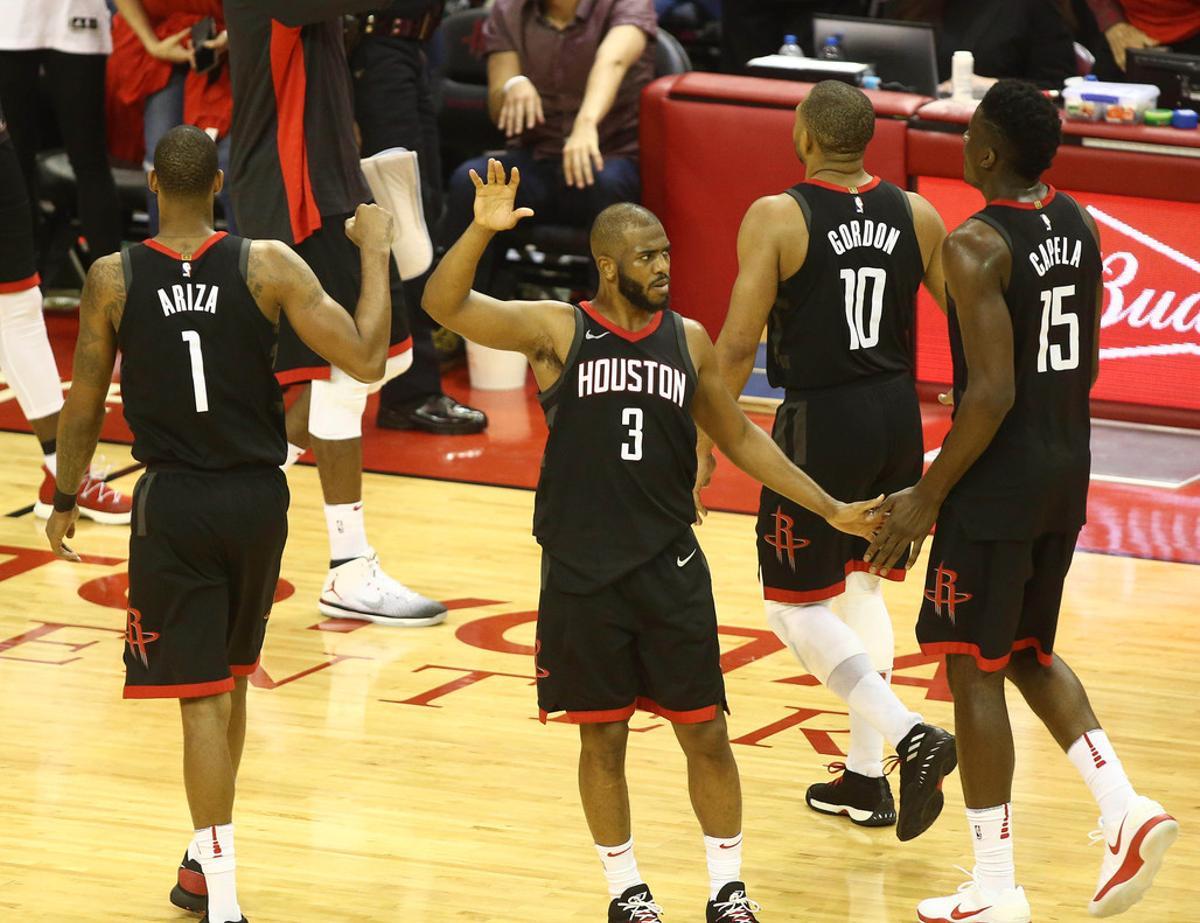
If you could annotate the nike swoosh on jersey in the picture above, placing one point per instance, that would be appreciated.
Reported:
(596, 336)
(957, 914)
(682, 561)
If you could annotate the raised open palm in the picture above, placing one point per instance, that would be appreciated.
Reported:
(495, 198)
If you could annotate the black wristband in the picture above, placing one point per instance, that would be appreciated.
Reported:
(63, 503)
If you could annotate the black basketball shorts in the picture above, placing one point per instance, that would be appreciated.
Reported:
(989, 599)
(857, 442)
(335, 261)
(203, 565)
(646, 641)
(18, 271)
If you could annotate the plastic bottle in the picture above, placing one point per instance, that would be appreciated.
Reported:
(791, 48)
(962, 73)
(832, 49)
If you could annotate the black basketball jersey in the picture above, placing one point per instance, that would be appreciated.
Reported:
(197, 359)
(847, 314)
(1033, 477)
(620, 461)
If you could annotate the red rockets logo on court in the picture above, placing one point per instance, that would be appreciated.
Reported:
(944, 593)
(136, 638)
(783, 540)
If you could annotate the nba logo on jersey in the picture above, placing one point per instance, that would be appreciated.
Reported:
(858, 206)
(187, 269)
(1046, 218)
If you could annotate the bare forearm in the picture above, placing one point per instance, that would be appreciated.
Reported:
(735, 368)
(135, 16)
(757, 454)
(450, 284)
(601, 91)
(975, 424)
(78, 433)
(373, 314)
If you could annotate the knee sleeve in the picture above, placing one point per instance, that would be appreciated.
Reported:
(862, 608)
(395, 367)
(818, 638)
(25, 354)
(336, 407)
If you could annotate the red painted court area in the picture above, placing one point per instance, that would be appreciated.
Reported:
(1144, 522)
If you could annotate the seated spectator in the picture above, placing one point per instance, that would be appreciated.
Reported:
(1025, 39)
(1144, 23)
(564, 84)
(153, 84)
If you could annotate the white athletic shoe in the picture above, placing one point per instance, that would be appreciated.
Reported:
(359, 589)
(1134, 847)
(973, 905)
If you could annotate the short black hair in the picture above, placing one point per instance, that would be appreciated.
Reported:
(608, 230)
(840, 117)
(1028, 123)
(186, 162)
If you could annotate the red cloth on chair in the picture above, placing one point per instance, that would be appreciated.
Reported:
(134, 75)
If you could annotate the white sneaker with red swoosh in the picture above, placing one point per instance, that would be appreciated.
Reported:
(1134, 847)
(974, 905)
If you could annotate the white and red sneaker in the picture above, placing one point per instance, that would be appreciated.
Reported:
(97, 501)
(1134, 847)
(974, 905)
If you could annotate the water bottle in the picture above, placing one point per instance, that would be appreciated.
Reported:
(832, 49)
(962, 72)
(791, 48)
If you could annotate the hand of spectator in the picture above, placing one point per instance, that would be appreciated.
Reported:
(220, 44)
(495, 198)
(1123, 36)
(172, 48)
(581, 155)
(522, 109)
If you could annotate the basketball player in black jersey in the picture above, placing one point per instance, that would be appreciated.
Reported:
(831, 268)
(1009, 492)
(195, 315)
(626, 617)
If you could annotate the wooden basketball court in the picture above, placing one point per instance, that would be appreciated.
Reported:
(402, 775)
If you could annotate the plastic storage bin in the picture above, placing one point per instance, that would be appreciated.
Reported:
(1120, 103)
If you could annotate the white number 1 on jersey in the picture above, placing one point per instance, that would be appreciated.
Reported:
(192, 338)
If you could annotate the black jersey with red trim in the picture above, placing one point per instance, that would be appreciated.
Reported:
(847, 313)
(197, 357)
(620, 461)
(293, 153)
(1033, 476)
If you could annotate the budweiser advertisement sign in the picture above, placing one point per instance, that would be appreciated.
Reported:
(1150, 327)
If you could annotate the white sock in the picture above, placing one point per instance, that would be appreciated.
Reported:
(724, 862)
(874, 700)
(864, 754)
(1096, 760)
(214, 851)
(347, 531)
(293, 455)
(991, 835)
(51, 463)
(620, 867)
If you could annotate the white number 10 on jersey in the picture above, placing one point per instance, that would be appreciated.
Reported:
(864, 330)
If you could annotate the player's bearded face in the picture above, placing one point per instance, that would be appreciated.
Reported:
(651, 293)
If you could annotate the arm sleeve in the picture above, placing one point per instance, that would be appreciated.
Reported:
(497, 32)
(1107, 12)
(638, 13)
(1051, 53)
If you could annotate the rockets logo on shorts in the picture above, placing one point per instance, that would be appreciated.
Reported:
(944, 592)
(137, 638)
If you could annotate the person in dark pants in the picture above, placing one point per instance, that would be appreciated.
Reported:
(67, 43)
(393, 105)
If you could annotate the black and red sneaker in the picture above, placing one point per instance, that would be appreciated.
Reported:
(190, 892)
(636, 905)
(863, 800)
(927, 755)
(732, 906)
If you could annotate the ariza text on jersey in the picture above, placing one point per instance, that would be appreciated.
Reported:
(640, 376)
(188, 296)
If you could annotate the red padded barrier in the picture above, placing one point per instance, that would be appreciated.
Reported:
(711, 145)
